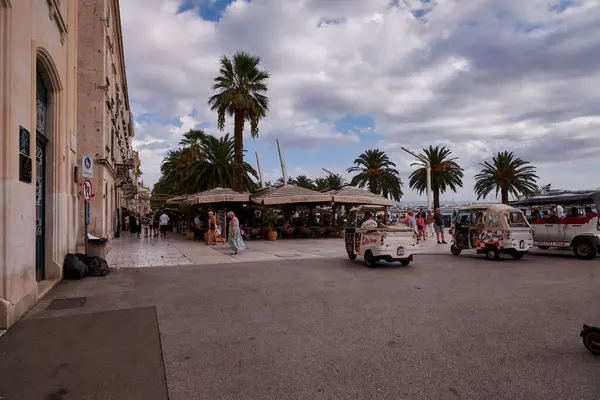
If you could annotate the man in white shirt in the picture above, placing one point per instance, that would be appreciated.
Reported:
(163, 222)
(369, 221)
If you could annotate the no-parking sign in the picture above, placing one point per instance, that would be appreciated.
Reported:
(87, 189)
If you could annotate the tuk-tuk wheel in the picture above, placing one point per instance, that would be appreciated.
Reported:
(584, 250)
(517, 255)
(455, 250)
(352, 257)
(492, 253)
(405, 262)
(370, 259)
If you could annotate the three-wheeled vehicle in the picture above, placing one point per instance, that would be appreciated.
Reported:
(491, 229)
(389, 243)
(578, 229)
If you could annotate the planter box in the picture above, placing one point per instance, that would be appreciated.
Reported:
(189, 235)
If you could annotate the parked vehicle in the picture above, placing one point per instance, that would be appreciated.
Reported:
(491, 229)
(578, 229)
(591, 339)
(389, 243)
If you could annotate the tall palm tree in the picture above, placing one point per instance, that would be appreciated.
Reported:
(445, 172)
(240, 93)
(378, 173)
(304, 181)
(506, 174)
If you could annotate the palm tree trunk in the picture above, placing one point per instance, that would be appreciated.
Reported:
(504, 192)
(436, 197)
(238, 152)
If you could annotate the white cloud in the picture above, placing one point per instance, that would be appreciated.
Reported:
(476, 75)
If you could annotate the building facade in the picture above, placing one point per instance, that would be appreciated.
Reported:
(104, 118)
(38, 148)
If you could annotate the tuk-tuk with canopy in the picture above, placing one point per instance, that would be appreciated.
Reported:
(491, 229)
(381, 242)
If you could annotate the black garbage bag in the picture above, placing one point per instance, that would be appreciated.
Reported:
(97, 266)
(74, 266)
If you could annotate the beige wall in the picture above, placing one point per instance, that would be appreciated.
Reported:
(36, 33)
(104, 120)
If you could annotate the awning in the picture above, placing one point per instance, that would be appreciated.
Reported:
(178, 199)
(574, 197)
(218, 195)
(354, 195)
(289, 194)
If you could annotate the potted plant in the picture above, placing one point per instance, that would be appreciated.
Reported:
(270, 217)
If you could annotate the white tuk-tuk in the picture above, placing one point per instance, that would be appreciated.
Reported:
(389, 243)
(491, 229)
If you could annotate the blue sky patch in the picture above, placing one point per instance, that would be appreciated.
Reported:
(209, 10)
(562, 5)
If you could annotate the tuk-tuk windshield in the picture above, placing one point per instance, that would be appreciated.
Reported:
(516, 219)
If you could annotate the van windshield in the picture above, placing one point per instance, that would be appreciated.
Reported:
(516, 219)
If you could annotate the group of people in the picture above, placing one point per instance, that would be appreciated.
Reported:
(235, 235)
(425, 223)
(150, 224)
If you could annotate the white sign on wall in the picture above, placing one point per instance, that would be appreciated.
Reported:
(87, 167)
(73, 143)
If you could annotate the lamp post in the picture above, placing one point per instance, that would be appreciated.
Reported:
(428, 168)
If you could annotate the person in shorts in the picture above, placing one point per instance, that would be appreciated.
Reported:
(156, 223)
(438, 219)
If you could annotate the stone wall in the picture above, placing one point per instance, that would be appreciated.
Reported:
(36, 36)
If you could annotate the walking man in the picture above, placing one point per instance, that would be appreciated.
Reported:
(439, 225)
(164, 221)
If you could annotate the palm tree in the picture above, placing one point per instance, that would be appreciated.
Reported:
(445, 173)
(241, 87)
(290, 181)
(216, 168)
(192, 141)
(212, 168)
(506, 174)
(378, 173)
(330, 182)
(304, 181)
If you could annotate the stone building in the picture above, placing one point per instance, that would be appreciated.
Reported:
(104, 119)
(38, 148)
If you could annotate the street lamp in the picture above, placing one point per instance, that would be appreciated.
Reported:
(428, 167)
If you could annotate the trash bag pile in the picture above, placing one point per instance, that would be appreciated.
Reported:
(78, 266)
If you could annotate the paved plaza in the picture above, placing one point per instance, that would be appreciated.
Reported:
(318, 327)
(173, 250)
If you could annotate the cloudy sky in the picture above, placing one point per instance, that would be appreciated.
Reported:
(477, 76)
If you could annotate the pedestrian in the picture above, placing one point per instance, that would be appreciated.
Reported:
(429, 222)
(156, 223)
(145, 225)
(411, 222)
(211, 237)
(235, 237)
(197, 226)
(163, 222)
(421, 225)
(439, 226)
(132, 226)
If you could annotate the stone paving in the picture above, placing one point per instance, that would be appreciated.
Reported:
(133, 252)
